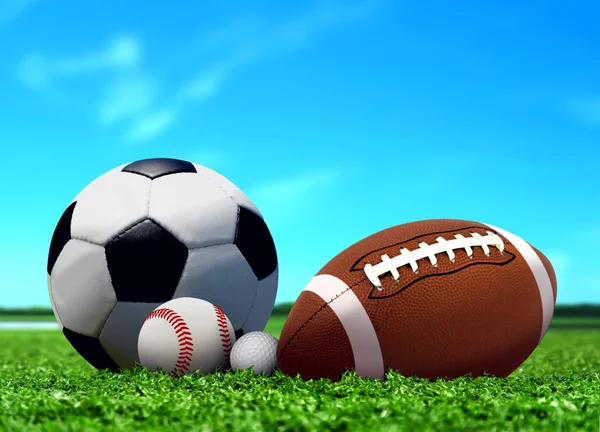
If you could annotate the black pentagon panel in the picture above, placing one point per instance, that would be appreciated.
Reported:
(90, 349)
(145, 263)
(253, 239)
(61, 236)
(158, 167)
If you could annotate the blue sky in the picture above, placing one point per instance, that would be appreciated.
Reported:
(338, 119)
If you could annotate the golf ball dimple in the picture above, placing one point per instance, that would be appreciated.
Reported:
(257, 350)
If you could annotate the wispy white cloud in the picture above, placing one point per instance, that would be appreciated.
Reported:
(259, 40)
(121, 53)
(150, 125)
(147, 104)
(585, 109)
(302, 30)
(12, 9)
(227, 36)
(37, 71)
(279, 200)
(206, 84)
(127, 96)
(248, 41)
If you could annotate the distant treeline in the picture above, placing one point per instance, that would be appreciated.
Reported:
(282, 309)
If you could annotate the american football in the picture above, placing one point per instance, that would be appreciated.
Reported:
(434, 298)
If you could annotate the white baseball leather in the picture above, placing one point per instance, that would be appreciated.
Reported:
(186, 335)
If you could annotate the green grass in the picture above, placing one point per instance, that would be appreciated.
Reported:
(275, 325)
(558, 322)
(31, 318)
(46, 386)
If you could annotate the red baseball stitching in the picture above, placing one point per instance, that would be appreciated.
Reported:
(224, 331)
(184, 336)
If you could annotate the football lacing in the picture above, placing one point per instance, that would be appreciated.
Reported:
(407, 257)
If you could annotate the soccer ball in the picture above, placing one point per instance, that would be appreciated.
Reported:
(145, 233)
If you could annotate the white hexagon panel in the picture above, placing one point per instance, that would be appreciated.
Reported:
(232, 190)
(222, 276)
(80, 288)
(148, 231)
(109, 205)
(194, 209)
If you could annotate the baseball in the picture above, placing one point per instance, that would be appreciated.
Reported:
(185, 335)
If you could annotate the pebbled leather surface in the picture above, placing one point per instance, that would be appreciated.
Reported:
(468, 317)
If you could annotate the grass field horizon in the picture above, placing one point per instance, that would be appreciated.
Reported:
(34, 313)
(47, 386)
(557, 322)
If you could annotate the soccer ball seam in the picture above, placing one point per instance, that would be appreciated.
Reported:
(252, 305)
(222, 189)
